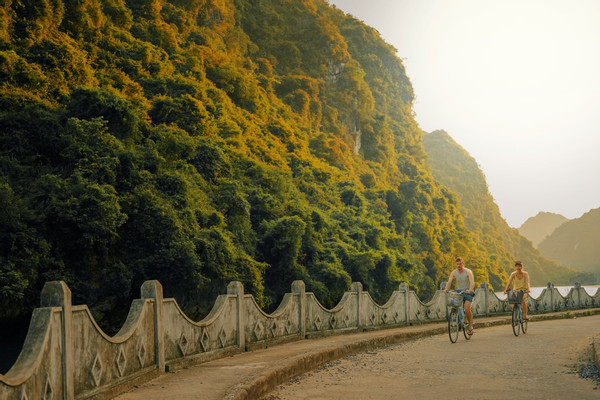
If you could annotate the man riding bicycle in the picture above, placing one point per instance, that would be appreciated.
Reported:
(464, 282)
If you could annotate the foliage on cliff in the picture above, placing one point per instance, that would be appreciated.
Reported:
(498, 244)
(203, 141)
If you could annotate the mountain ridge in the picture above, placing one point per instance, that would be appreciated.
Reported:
(537, 228)
(203, 141)
(199, 142)
(575, 243)
(454, 167)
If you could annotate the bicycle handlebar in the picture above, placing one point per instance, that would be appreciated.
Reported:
(457, 291)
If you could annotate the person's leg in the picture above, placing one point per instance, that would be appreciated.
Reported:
(469, 314)
(524, 304)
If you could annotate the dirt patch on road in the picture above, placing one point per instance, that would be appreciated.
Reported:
(586, 367)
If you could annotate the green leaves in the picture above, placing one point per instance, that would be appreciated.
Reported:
(200, 142)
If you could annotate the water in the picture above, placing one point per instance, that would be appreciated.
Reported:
(563, 290)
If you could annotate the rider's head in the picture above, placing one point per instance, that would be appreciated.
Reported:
(460, 263)
(518, 264)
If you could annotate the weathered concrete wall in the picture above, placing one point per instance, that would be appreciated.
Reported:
(66, 354)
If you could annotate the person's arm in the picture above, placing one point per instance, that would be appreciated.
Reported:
(509, 282)
(527, 282)
(449, 281)
(471, 281)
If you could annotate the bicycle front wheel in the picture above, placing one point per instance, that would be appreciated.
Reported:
(453, 325)
(515, 320)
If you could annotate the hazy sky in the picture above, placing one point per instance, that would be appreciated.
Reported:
(514, 82)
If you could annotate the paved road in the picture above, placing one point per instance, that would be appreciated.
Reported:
(495, 364)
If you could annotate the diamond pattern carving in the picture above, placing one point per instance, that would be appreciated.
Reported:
(222, 337)
(183, 344)
(274, 328)
(396, 317)
(384, 318)
(346, 320)
(373, 318)
(318, 322)
(48, 393)
(141, 353)
(121, 360)
(332, 321)
(259, 330)
(97, 370)
(288, 326)
(205, 340)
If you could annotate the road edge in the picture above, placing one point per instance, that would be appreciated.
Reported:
(258, 386)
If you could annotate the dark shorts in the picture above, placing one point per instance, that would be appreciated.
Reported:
(468, 296)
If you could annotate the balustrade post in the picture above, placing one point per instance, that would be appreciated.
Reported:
(154, 290)
(551, 287)
(484, 286)
(236, 288)
(404, 289)
(58, 294)
(357, 288)
(578, 288)
(442, 286)
(299, 288)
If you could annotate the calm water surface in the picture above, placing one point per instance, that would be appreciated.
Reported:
(563, 290)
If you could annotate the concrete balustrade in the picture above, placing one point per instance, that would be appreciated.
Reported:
(66, 354)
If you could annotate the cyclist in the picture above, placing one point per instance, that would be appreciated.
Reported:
(464, 282)
(520, 281)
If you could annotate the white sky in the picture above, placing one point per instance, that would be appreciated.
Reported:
(514, 82)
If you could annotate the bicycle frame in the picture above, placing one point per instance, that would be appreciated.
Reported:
(518, 322)
(456, 321)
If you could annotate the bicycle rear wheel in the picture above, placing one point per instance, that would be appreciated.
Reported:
(453, 327)
(465, 328)
(523, 321)
(515, 320)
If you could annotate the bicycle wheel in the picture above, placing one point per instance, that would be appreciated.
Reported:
(523, 320)
(453, 325)
(465, 328)
(515, 320)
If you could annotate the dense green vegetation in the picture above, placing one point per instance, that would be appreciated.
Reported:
(575, 243)
(498, 244)
(203, 141)
(198, 142)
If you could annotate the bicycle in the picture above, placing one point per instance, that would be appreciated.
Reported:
(515, 297)
(456, 318)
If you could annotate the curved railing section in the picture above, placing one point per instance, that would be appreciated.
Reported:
(185, 339)
(33, 371)
(67, 355)
(102, 362)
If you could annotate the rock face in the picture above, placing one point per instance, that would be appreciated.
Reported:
(539, 227)
(576, 243)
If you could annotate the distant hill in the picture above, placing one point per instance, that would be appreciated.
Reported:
(576, 243)
(454, 167)
(543, 224)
